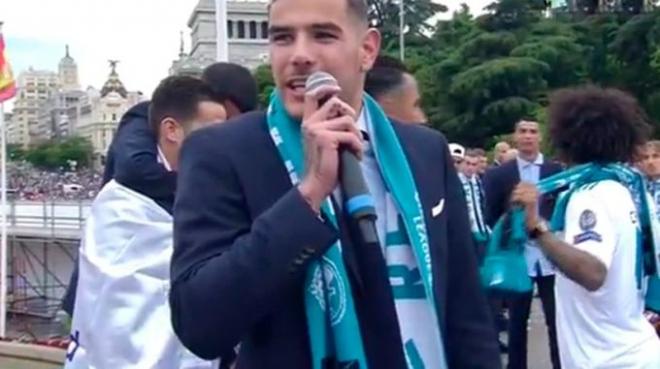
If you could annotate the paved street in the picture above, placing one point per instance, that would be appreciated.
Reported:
(538, 351)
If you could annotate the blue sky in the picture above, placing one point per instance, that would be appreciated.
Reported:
(142, 34)
(26, 52)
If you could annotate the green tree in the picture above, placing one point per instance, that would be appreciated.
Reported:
(264, 77)
(634, 47)
(76, 149)
(511, 14)
(487, 99)
(58, 154)
(384, 14)
(15, 152)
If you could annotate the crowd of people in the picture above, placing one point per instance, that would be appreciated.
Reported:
(27, 182)
(489, 190)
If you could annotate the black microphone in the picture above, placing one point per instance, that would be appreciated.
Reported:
(358, 202)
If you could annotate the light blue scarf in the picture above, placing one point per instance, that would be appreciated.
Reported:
(509, 235)
(335, 332)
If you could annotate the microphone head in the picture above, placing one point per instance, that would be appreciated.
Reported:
(319, 79)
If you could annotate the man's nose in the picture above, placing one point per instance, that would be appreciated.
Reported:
(302, 57)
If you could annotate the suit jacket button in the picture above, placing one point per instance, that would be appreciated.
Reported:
(309, 251)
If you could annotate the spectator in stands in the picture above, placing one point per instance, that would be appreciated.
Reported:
(395, 89)
(27, 182)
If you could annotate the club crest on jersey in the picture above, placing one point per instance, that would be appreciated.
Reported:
(588, 220)
(587, 223)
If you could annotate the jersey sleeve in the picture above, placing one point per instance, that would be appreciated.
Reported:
(589, 227)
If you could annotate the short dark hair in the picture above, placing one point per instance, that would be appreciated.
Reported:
(232, 82)
(386, 75)
(526, 119)
(471, 153)
(479, 152)
(592, 124)
(178, 97)
(653, 145)
(359, 8)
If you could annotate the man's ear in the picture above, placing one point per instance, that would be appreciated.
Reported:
(168, 129)
(370, 49)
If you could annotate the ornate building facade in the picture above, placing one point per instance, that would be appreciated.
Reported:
(99, 117)
(247, 30)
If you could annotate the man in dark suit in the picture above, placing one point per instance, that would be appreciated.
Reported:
(499, 182)
(245, 236)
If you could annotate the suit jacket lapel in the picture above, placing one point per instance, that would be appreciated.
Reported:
(545, 170)
(515, 174)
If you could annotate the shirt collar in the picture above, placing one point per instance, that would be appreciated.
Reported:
(362, 121)
(467, 179)
(523, 163)
(163, 160)
(363, 125)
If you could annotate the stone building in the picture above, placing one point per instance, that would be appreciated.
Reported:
(247, 30)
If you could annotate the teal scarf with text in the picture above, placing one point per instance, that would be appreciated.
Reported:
(334, 330)
(509, 234)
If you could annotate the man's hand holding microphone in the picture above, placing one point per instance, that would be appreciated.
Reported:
(328, 125)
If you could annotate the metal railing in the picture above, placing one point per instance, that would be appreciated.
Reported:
(54, 218)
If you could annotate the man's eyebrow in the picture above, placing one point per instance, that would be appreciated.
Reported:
(279, 29)
(326, 26)
(315, 26)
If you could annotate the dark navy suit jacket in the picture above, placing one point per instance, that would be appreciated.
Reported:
(132, 159)
(244, 238)
(500, 181)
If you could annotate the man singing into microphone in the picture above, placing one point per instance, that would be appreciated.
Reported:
(267, 252)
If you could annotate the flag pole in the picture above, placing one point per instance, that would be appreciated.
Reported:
(402, 25)
(3, 220)
(221, 43)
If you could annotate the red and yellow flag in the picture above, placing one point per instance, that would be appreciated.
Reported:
(7, 82)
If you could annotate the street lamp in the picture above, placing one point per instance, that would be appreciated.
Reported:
(402, 24)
